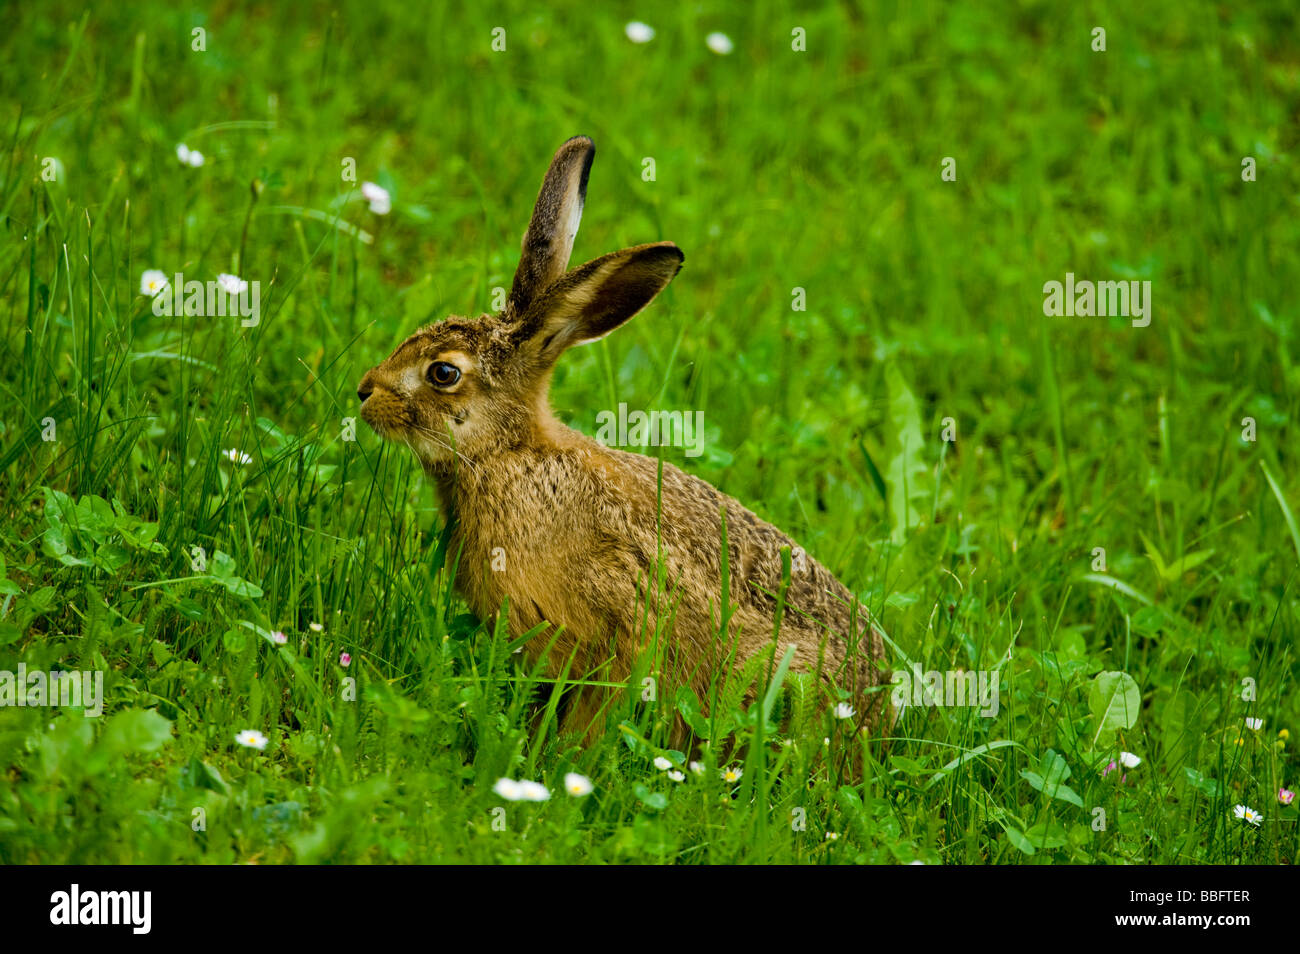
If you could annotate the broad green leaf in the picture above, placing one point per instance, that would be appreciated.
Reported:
(1017, 838)
(1047, 834)
(1052, 780)
(222, 569)
(688, 706)
(1115, 702)
(202, 775)
(111, 557)
(655, 801)
(1206, 786)
(906, 476)
(54, 543)
(135, 731)
(234, 640)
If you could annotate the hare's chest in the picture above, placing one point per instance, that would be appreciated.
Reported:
(542, 534)
(504, 564)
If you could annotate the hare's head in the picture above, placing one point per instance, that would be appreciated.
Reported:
(469, 386)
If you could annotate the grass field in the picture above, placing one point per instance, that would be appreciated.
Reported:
(136, 546)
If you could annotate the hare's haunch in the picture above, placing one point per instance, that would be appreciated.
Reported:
(583, 536)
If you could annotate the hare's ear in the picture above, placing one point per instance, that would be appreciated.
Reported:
(549, 239)
(594, 299)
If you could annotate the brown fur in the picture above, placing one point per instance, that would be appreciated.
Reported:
(582, 526)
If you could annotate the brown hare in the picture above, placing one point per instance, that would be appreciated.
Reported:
(584, 537)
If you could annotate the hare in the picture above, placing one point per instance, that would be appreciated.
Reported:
(584, 537)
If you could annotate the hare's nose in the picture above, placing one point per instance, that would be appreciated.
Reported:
(365, 388)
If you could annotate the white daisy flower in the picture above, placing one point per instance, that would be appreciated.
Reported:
(1254, 724)
(153, 282)
(236, 456)
(697, 768)
(1247, 814)
(731, 774)
(1129, 760)
(316, 627)
(844, 711)
(676, 776)
(577, 785)
(662, 764)
(381, 203)
(232, 284)
(832, 836)
(639, 32)
(533, 792)
(509, 789)
(189, 157)
(719, 43)
(251, 739)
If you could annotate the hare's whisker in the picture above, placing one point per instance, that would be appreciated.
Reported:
(438, 439)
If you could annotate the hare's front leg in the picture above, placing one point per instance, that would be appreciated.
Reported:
(584, 713)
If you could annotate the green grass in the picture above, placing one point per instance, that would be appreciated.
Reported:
(774, 170)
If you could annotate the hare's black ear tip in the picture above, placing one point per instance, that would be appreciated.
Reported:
(667, 257)
(587, 148)
(585, 144)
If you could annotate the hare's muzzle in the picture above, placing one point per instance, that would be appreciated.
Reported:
(380, 408)
(366, 387)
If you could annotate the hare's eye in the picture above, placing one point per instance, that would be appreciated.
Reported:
(443, 375)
